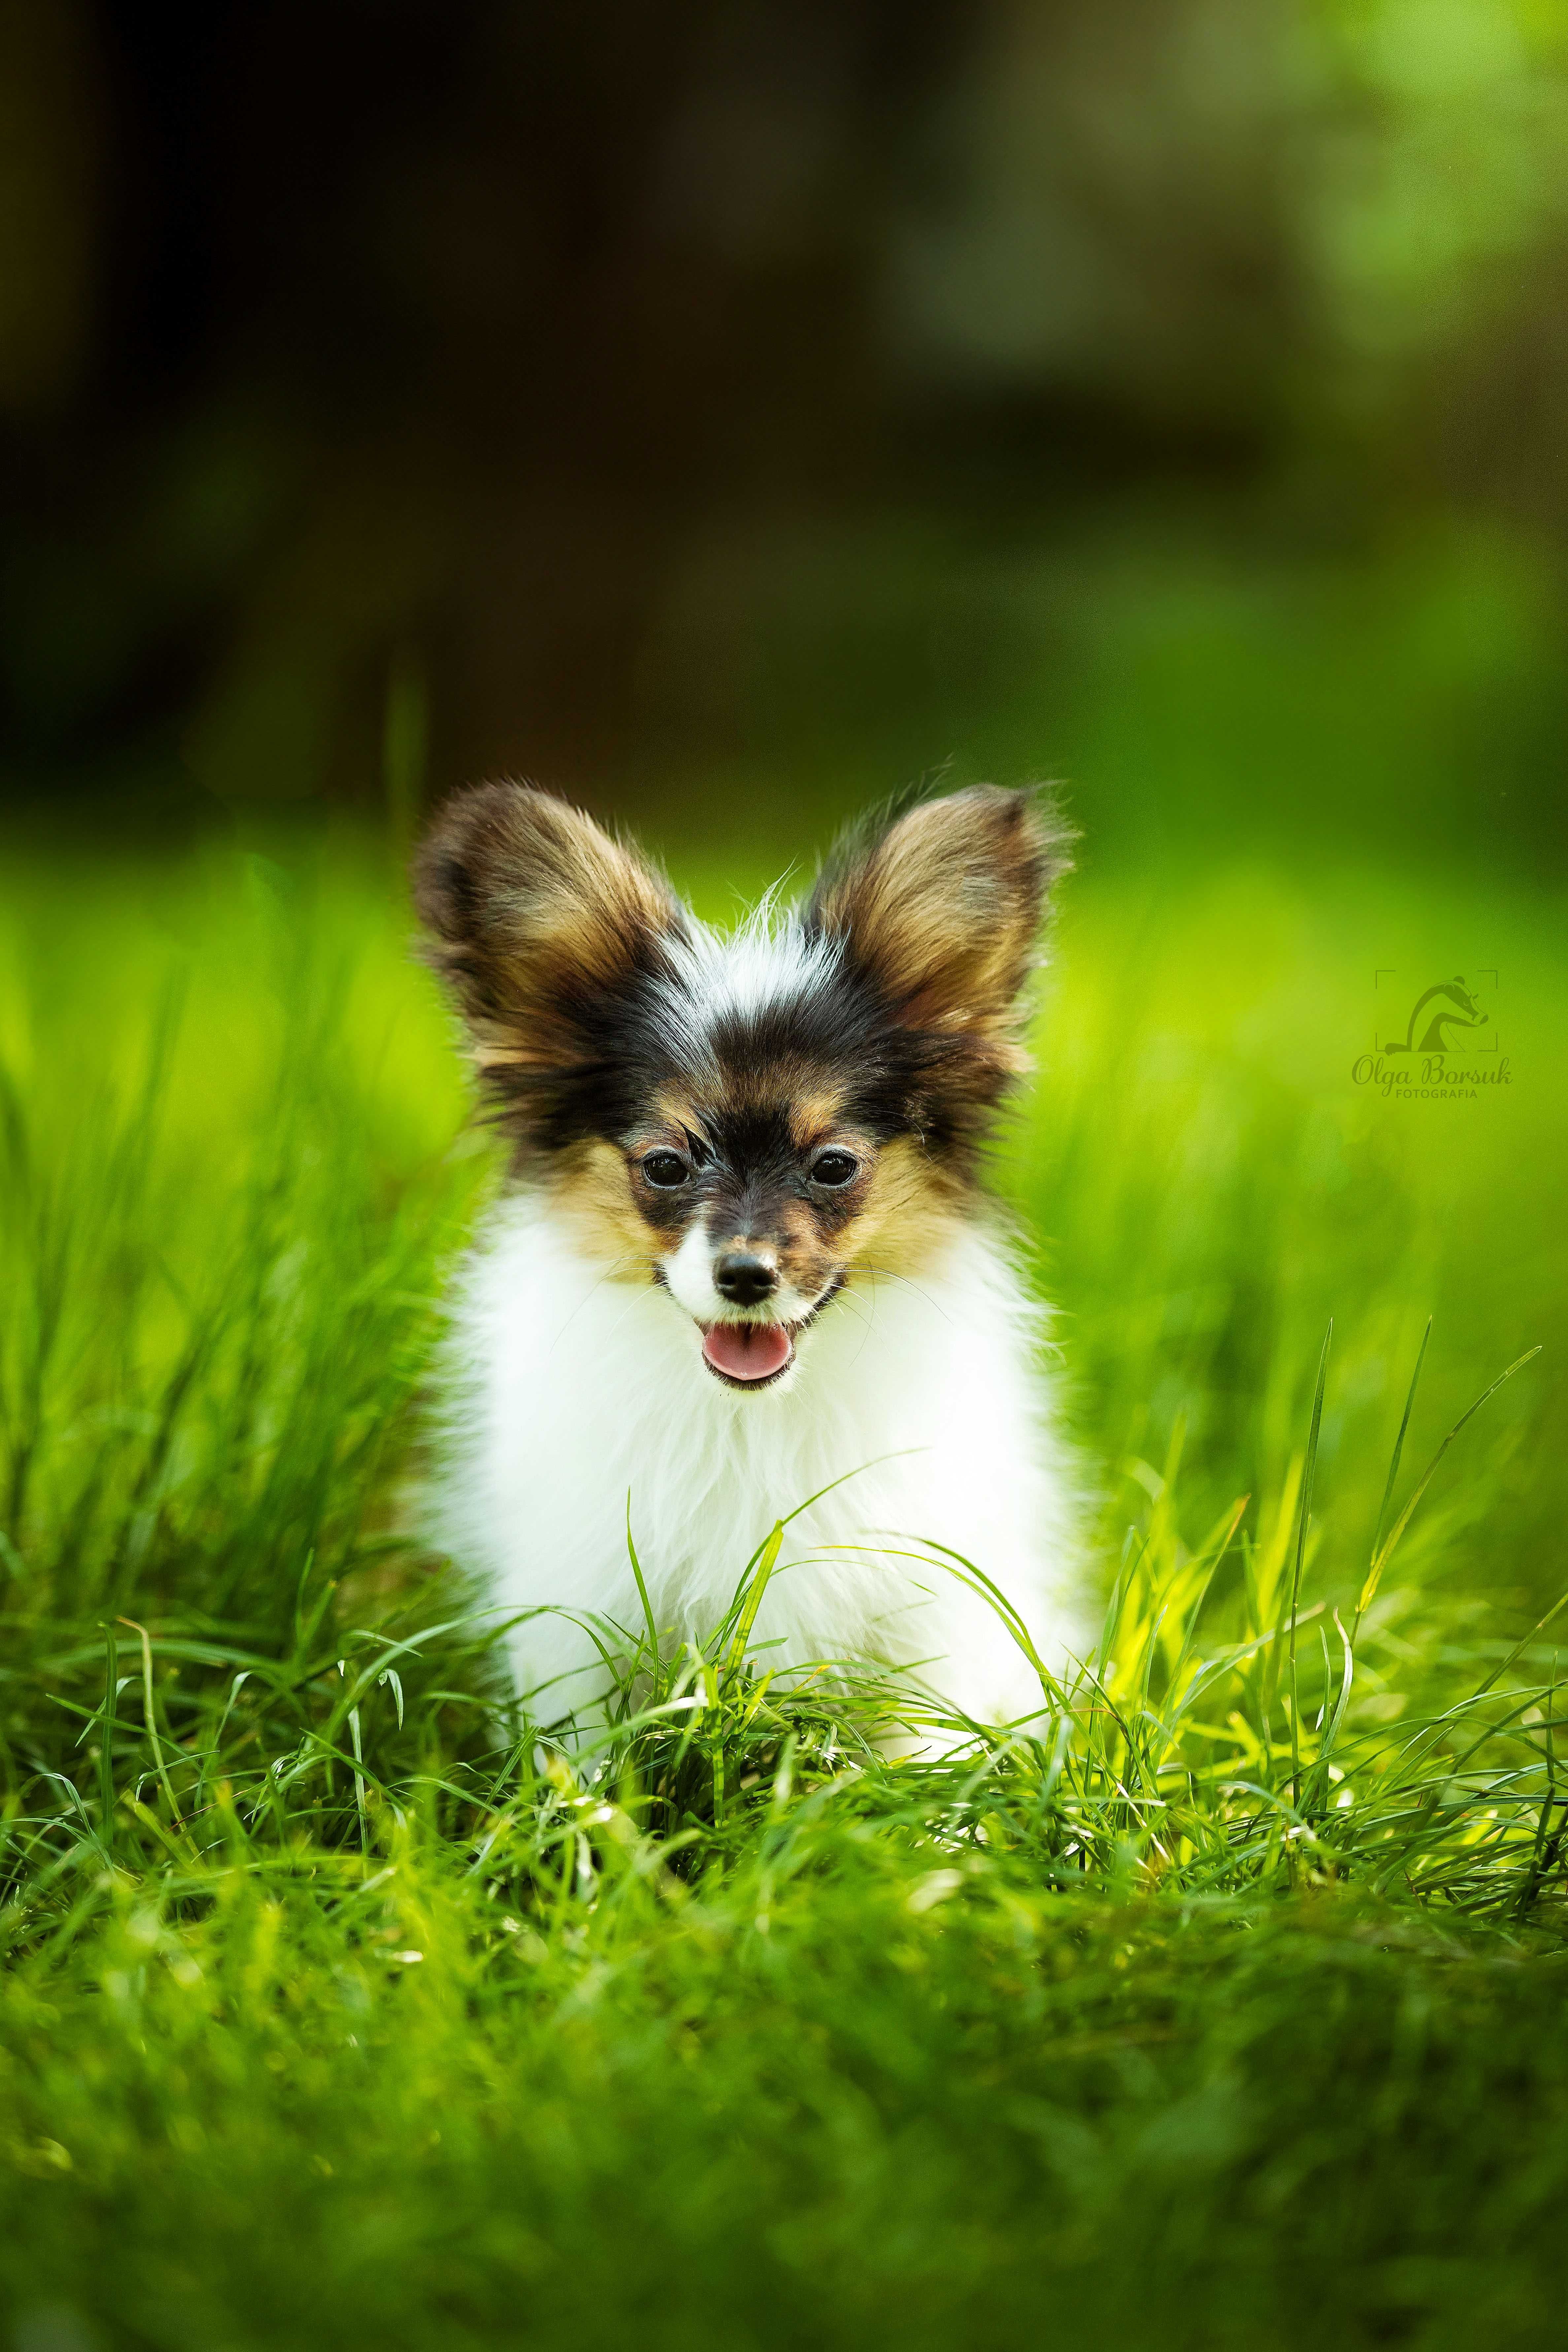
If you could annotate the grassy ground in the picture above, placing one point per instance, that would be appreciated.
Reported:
(1226, 2009)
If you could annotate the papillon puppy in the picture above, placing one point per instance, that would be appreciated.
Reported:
(744, 1256)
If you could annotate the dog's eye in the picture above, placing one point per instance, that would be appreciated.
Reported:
(834, 1168)
(666, 1169)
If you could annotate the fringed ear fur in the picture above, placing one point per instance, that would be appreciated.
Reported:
(538, 921)
(942, 910)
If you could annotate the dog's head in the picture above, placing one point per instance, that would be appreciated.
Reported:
(756, 1121)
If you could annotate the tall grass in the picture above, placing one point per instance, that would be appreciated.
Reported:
(269, 1806)
(220, 1640)
(1226, 1735)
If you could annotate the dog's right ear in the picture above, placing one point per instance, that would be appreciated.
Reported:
(539, 922)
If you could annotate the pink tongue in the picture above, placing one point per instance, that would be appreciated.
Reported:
(747, 1352)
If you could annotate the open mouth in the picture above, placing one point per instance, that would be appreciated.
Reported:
(754, 1355)
(748, 1355)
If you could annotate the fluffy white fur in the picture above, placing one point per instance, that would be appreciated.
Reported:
(570, 1392)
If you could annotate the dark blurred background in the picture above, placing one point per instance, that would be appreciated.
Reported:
(738, 409)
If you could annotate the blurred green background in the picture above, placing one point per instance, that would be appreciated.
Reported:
(729, 413)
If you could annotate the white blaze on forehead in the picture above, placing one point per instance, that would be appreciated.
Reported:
(763, 965)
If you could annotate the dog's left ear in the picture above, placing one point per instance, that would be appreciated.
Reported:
(942, 911)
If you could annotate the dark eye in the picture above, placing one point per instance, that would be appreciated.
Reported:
(831, 1168)
(665, 1169)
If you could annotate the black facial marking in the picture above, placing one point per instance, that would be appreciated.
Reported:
(758, 1174)
(589, 993)
(628, 1048)
(647, 1037)
(837, 1032)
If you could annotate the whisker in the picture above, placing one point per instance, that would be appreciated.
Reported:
(870, 1322)
(854, 1304)
(630, 1307)
(865, 1266)
(632, 1257)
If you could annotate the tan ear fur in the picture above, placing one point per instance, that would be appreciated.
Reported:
(533, 913)
(943, 910)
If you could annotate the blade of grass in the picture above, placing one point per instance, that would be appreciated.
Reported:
(1381, 1558)
(1307, 1476)
(106, 1748)
(1369, 1585)
(150, 1706)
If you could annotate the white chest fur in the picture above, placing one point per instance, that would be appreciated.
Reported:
(568, 1392)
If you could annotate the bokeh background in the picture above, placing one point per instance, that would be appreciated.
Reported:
(729, 414)
(736, 408)
(729, 411)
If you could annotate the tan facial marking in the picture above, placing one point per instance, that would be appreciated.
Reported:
(590, 1186)
(675, 1115)
(909, 1214)
(812, 1116)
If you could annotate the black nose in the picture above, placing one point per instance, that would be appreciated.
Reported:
(744, 1278)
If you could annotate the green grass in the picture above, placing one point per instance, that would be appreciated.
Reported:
(1222, 2005)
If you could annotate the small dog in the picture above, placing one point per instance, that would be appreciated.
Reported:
(744, 1257)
